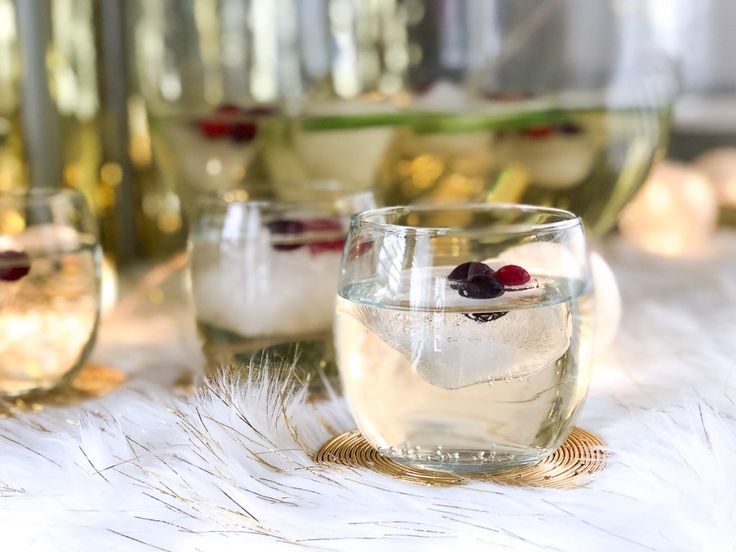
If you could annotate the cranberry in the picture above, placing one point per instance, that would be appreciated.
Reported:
(221, 126)
(570, 128)
(243, 132)
(213, 129)
(14, 265)
(483, 317)
(475, 280)
(481, 287)
(513, 275)
(289, 228)
(466, 270)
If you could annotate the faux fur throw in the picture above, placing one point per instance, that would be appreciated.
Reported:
(229, 468)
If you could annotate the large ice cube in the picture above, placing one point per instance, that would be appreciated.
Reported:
(255, 290)
(451, 350)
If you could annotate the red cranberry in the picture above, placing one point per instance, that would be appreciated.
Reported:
(213, 129)
(331, 245)
(220, 124)
(513, 275)
(14, 265)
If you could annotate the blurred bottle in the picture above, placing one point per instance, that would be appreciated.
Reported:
(71, 120)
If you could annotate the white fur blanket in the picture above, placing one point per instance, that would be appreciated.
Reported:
(228, 469)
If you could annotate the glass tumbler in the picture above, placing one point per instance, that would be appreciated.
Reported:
(49, 288)
(264, 279)
(463, 332)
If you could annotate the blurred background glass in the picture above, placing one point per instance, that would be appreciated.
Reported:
(49, 288)
(140, 105)
(264, 280)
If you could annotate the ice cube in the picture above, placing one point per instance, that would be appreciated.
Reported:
(256, 290)
(451, 350)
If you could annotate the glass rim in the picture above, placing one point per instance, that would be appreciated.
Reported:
(41, 194)
(566, 219)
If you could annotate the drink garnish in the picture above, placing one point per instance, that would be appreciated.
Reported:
(475, 280)
(291, 227)
(18, 265)
(513, 275)
(220, 125)
(462, 271)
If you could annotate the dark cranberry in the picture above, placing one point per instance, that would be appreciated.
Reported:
(289, 228)
(466, 270)
(513, 275)
(243, 132)
(475, 280)
(483, 317)
(570, 128)
(539, 132)
(14, 265)
(481, 287)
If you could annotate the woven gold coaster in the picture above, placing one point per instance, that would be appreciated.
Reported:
(579, 458)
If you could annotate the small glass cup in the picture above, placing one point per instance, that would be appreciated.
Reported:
(264, 280)
(463, 332)
(49, 288)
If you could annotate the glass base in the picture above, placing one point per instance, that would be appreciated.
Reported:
(468, 461)
(305, 359)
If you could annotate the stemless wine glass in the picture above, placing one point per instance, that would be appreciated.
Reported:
(49, 288)
(463, 332)
(264, 276)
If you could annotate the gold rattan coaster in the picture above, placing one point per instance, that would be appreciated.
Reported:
(579, 458)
